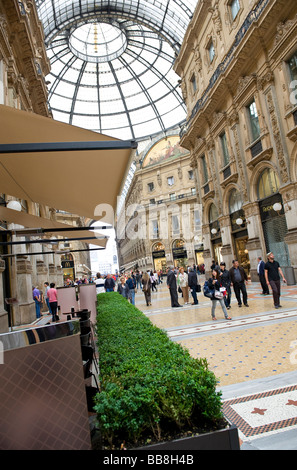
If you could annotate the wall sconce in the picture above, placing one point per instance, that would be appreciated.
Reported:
(213, 231)
(239, 221)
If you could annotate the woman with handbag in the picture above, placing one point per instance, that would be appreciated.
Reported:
(214, 283)
(182, 282)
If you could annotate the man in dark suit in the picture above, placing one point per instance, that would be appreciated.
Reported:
(261, 274)
(171, 284)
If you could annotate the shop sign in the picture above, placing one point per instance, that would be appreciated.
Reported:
(179, 253)
(158, 254)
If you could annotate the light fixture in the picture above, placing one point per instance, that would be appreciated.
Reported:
(15, 205)
(277, 207)
(213, 231)
(239, 221)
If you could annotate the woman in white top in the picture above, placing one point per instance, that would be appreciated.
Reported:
(182, 282)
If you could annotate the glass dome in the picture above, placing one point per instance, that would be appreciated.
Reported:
(111, 64)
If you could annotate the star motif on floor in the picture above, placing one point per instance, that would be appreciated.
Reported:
(292, 402)
(259, 411)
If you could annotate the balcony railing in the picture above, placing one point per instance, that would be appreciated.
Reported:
(250, 19)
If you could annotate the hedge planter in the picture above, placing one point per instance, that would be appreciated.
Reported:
(152, 390)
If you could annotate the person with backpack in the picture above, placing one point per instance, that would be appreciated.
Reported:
(132, 285)
(212, 289)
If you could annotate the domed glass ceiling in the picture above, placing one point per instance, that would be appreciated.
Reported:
(111, 63)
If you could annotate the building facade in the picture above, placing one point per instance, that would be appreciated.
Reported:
(160, 223)
(238, 69)
(23, 66)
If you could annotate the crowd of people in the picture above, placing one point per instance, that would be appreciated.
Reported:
(179, 280)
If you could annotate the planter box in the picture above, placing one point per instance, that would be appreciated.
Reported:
(224, 439)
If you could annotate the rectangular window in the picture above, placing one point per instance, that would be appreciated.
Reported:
(172, 197)
(234, 7)
(197, 221)
(170, 180)
(191, 174)
(155, 229)
(254, 121)
(211, 51)
(226, 156)
(204, 169)
(193, 83)
(151, 187)
(175, 225)
(293, 66)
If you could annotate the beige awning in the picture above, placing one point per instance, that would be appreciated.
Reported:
(32, 221)
(74, 181)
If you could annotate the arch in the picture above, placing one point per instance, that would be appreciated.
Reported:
(226, 196)
(158, 246)
(255, 177)
(205, 211)
(178, 243)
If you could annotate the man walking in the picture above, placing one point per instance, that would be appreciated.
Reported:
(171, 284)
(261, 274)
(109, 284)
(272, 277)
(238, 279)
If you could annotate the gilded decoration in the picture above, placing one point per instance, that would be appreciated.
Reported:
(166, 149)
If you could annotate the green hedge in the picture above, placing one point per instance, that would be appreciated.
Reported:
(148, 383)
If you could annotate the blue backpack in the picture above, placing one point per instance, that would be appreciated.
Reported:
(207, 291)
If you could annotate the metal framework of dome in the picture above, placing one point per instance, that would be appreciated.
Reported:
(111, 63)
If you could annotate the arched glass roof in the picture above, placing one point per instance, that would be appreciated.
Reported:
(111, 63)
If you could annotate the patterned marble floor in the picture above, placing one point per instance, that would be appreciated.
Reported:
(259, 343)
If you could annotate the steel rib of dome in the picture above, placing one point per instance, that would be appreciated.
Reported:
(111, 64)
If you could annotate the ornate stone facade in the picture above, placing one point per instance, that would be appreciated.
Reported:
(23, 66)
(241, 128)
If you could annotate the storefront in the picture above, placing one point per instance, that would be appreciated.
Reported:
(67, 263)
(272, 216)
(215, 234)
(199, 248)
(239, 230)
(275, 228)
(159, 257)
(179, 253)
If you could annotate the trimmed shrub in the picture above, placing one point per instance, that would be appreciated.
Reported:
(149, 384)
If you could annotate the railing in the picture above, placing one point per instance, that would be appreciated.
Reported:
(250, 19)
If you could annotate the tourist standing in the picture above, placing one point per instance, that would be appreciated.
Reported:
(37, 300)
(193, 283)
(123, 287)
(131, 282)
(53, 300)
(99, 284)
(215, 284)
(146, 288)
(109, 283)
(47, 287)
(272, 277)
(239, 279)
(261, 274)
(226, 282)
(182, 282)
(171, 284)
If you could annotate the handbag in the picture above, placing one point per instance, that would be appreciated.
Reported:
(218, 294)
(179, 290)
(198, 288)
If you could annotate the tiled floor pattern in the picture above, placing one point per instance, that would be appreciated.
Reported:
(259, 342)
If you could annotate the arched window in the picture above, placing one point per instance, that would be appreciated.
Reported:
(213, 214)
(268, 183)
(235, 201)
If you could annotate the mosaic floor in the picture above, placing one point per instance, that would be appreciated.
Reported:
(259, 342)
